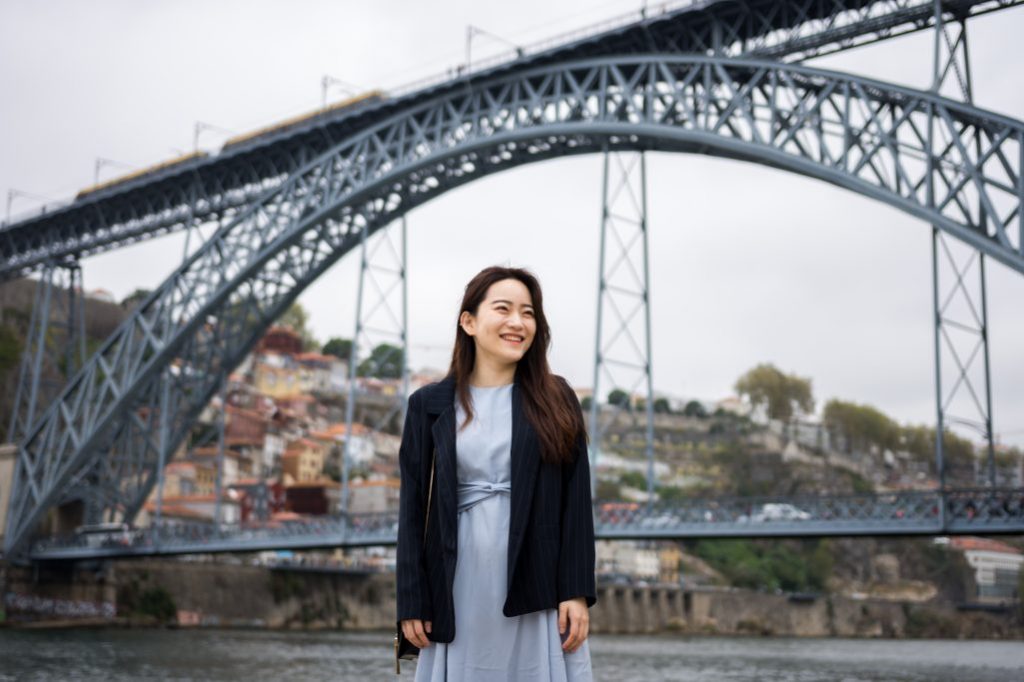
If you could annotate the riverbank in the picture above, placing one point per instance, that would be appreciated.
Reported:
(193, 594)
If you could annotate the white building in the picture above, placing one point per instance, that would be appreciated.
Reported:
(997, 567)
(625, 557)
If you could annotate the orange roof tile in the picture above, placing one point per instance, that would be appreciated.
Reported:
(970, 543)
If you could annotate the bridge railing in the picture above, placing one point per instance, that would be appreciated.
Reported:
(978, 510)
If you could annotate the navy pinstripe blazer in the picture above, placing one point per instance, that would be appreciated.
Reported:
(551, 530)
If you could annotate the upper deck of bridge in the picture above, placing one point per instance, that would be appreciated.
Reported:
(789, 29)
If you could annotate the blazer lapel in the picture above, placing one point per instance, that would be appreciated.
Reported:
(525, 462)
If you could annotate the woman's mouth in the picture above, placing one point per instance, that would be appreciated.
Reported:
(513, 339)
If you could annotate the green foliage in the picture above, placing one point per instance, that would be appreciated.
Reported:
(158, 603)
(285, 585)
(135, 298)
(633, 479)
(783, 394)
(608, 490)
(919, 441)
(862, 426)
(695, 409)
(10, 348)
(618, 397)
(586, 403)
(669, 493)
(794, 566)
(859, 484)
(338, 347)
(385, 362)
(661, 406)
(297, 318)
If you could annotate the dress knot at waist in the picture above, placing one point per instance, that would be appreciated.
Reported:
(477, 491)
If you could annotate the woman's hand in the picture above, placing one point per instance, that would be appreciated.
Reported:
(415, 630)
(577, 614)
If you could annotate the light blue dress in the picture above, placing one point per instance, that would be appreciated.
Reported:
(488, 645)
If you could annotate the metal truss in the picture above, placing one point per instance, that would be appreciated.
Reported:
(382, 269)
(879, 140)
(55, 343)
(960, 309)
(221, 186)
(624, 288)
(954, 512)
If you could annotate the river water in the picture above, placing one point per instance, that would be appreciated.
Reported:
(116, 655)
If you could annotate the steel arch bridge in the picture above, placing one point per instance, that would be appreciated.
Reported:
(910, 149)
(114, 425)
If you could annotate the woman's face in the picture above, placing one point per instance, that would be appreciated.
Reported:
(504, 325)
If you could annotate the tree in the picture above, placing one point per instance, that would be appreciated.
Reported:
(10, 348)
(618, 397)
(783, 394)
(633, 479)
(385, 362)
(297, 318)
(695, 409)
(586, 403)
(862, 426)
(661, 406)
(338, 347)
(135, 298)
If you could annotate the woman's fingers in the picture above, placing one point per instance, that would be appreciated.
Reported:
(579, 629)
(413, 631)
(421, 635)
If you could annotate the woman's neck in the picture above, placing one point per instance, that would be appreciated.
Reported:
(485, 374)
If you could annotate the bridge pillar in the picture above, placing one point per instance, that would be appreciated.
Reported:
(381, 328)
(959, 301)
(622, 352)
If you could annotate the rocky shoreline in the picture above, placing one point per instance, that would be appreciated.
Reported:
(190, 594)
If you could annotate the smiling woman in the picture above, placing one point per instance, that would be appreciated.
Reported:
(496, 537)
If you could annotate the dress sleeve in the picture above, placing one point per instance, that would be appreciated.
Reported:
(412, 595)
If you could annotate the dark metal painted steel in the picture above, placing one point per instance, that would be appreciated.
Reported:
(957, 512)
(218, 188)
(867, 136)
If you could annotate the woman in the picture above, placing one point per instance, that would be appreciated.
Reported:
(495, 579)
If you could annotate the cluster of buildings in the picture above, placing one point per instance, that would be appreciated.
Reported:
(279, 455)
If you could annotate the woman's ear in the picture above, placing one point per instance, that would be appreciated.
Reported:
(467, 323)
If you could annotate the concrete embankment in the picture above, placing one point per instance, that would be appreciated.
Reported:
(216, 594)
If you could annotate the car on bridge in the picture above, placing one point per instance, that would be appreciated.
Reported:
(775, 511)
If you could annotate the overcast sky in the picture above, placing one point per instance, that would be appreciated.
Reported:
(748, 264)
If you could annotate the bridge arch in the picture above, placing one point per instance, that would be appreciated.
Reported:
(950, 164)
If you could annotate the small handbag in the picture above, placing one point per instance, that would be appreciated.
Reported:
(404, 649)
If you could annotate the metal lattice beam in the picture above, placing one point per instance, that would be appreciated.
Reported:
(622, 344)
(382, 275)
(960, 309)
(870, 137)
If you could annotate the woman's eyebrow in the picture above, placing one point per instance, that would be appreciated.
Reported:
(501, 300)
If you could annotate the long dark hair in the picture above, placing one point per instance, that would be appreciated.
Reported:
(551, 408)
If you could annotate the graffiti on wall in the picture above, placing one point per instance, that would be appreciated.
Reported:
(63, 608)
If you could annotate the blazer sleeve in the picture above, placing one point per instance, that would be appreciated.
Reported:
(412, 594)
(576, 558)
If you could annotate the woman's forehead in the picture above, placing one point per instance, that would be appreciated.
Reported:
(510, 290)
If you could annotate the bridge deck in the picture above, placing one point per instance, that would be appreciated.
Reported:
(992, 511)
(216, 186)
